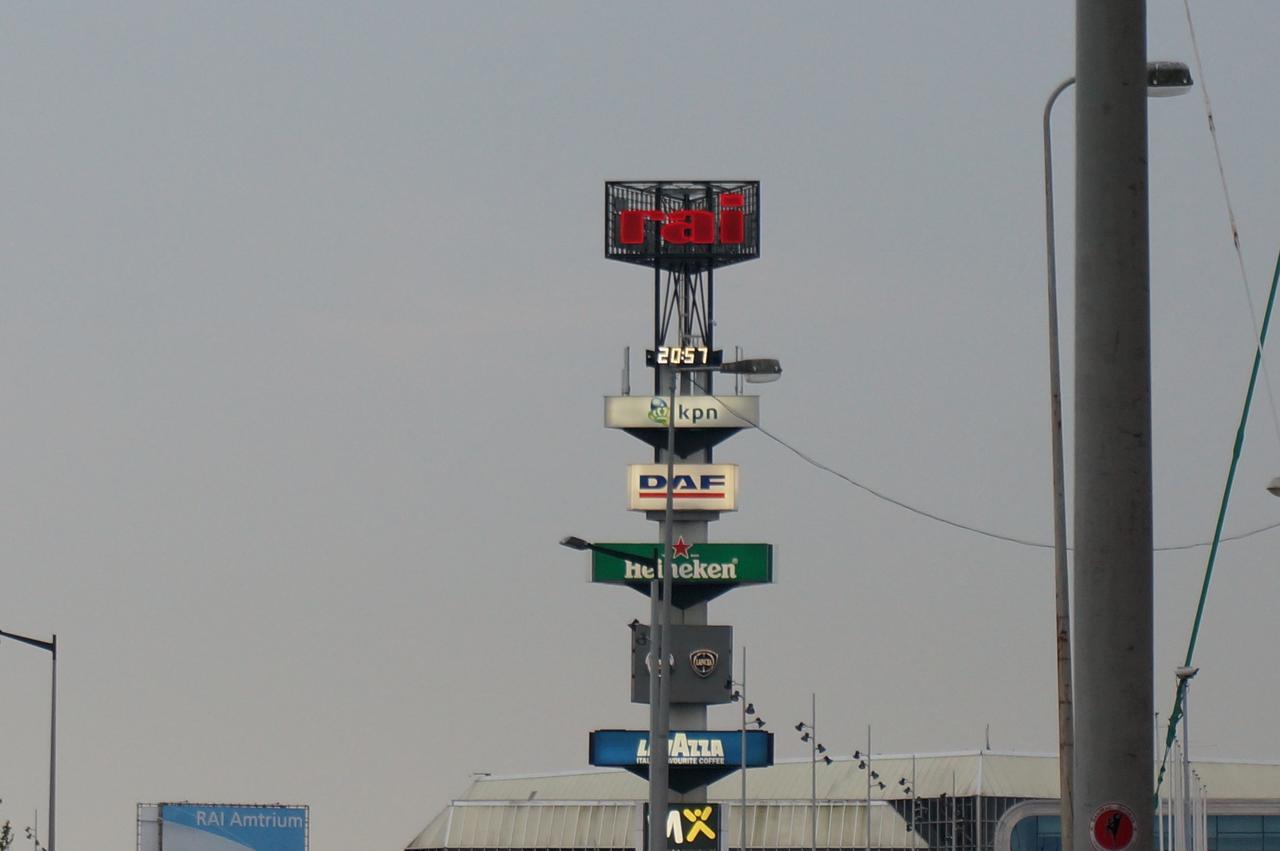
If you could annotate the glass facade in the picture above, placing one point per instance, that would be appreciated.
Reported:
(1226, 833)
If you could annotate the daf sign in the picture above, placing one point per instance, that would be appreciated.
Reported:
(694, 487)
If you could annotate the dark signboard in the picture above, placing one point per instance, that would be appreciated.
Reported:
(703, 663)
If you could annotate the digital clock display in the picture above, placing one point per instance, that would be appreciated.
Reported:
(694, 356)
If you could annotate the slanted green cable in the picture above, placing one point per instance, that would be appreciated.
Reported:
(1176, 714)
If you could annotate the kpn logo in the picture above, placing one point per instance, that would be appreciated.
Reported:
(659, 411)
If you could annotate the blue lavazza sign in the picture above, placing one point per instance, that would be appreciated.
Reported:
(227, 827)
(694, 748)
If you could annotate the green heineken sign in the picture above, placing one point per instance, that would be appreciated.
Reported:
(699, 571)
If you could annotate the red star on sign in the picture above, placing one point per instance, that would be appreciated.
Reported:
(680, 549)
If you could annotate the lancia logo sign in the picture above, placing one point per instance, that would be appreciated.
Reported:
(704, 662)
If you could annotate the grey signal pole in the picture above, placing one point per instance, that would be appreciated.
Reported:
(1113, 594)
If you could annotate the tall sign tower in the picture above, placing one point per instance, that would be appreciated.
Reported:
(684, 231)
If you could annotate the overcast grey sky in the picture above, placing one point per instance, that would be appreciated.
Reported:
(305, 323)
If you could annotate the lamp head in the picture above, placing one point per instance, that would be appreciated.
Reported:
(756, 370)
(799, 726)
(751, 709)
(1167, 79)
(1274, 487)
(574, 543)
(1185, 672)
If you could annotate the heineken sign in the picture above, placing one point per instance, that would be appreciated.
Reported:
(717, 564)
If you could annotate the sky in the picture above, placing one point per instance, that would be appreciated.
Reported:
(305, 324)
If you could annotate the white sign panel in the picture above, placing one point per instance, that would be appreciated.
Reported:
(691, 411)
(694, 487)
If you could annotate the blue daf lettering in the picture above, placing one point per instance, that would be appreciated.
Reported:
(681, 483)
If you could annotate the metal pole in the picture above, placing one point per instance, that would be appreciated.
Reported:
(1177, 828)
(659, 791)
(656, 743)
(1189, 842)
(953, 811)
(1155, 749)
(1061, 594)
(52, 647)
(53, 737)
(742, 842)
(915, 827)
(813, 770)
(869, 767)
(1113, 648)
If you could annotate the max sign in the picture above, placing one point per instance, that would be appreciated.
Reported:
(694, 487)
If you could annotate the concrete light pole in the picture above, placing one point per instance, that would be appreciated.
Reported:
(1113, 646)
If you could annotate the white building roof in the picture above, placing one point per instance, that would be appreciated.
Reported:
(602, 808)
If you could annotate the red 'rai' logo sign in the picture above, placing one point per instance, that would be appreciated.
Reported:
(686, 227)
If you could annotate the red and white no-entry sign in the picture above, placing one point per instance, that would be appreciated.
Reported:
(1112, 827)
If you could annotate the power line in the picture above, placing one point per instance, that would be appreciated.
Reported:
(956, 524)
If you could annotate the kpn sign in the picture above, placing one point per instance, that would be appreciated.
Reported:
(690, 411)
(694, 487)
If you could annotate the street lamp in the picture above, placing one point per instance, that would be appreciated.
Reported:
(1164, 79)
(52, 647)
(809, 731)
(747, 709)
(1184, 675)
(575, 543)
(1274, 487)
(864, 763)
(755, 370)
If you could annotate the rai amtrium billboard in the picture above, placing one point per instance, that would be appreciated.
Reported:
(222, 827)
